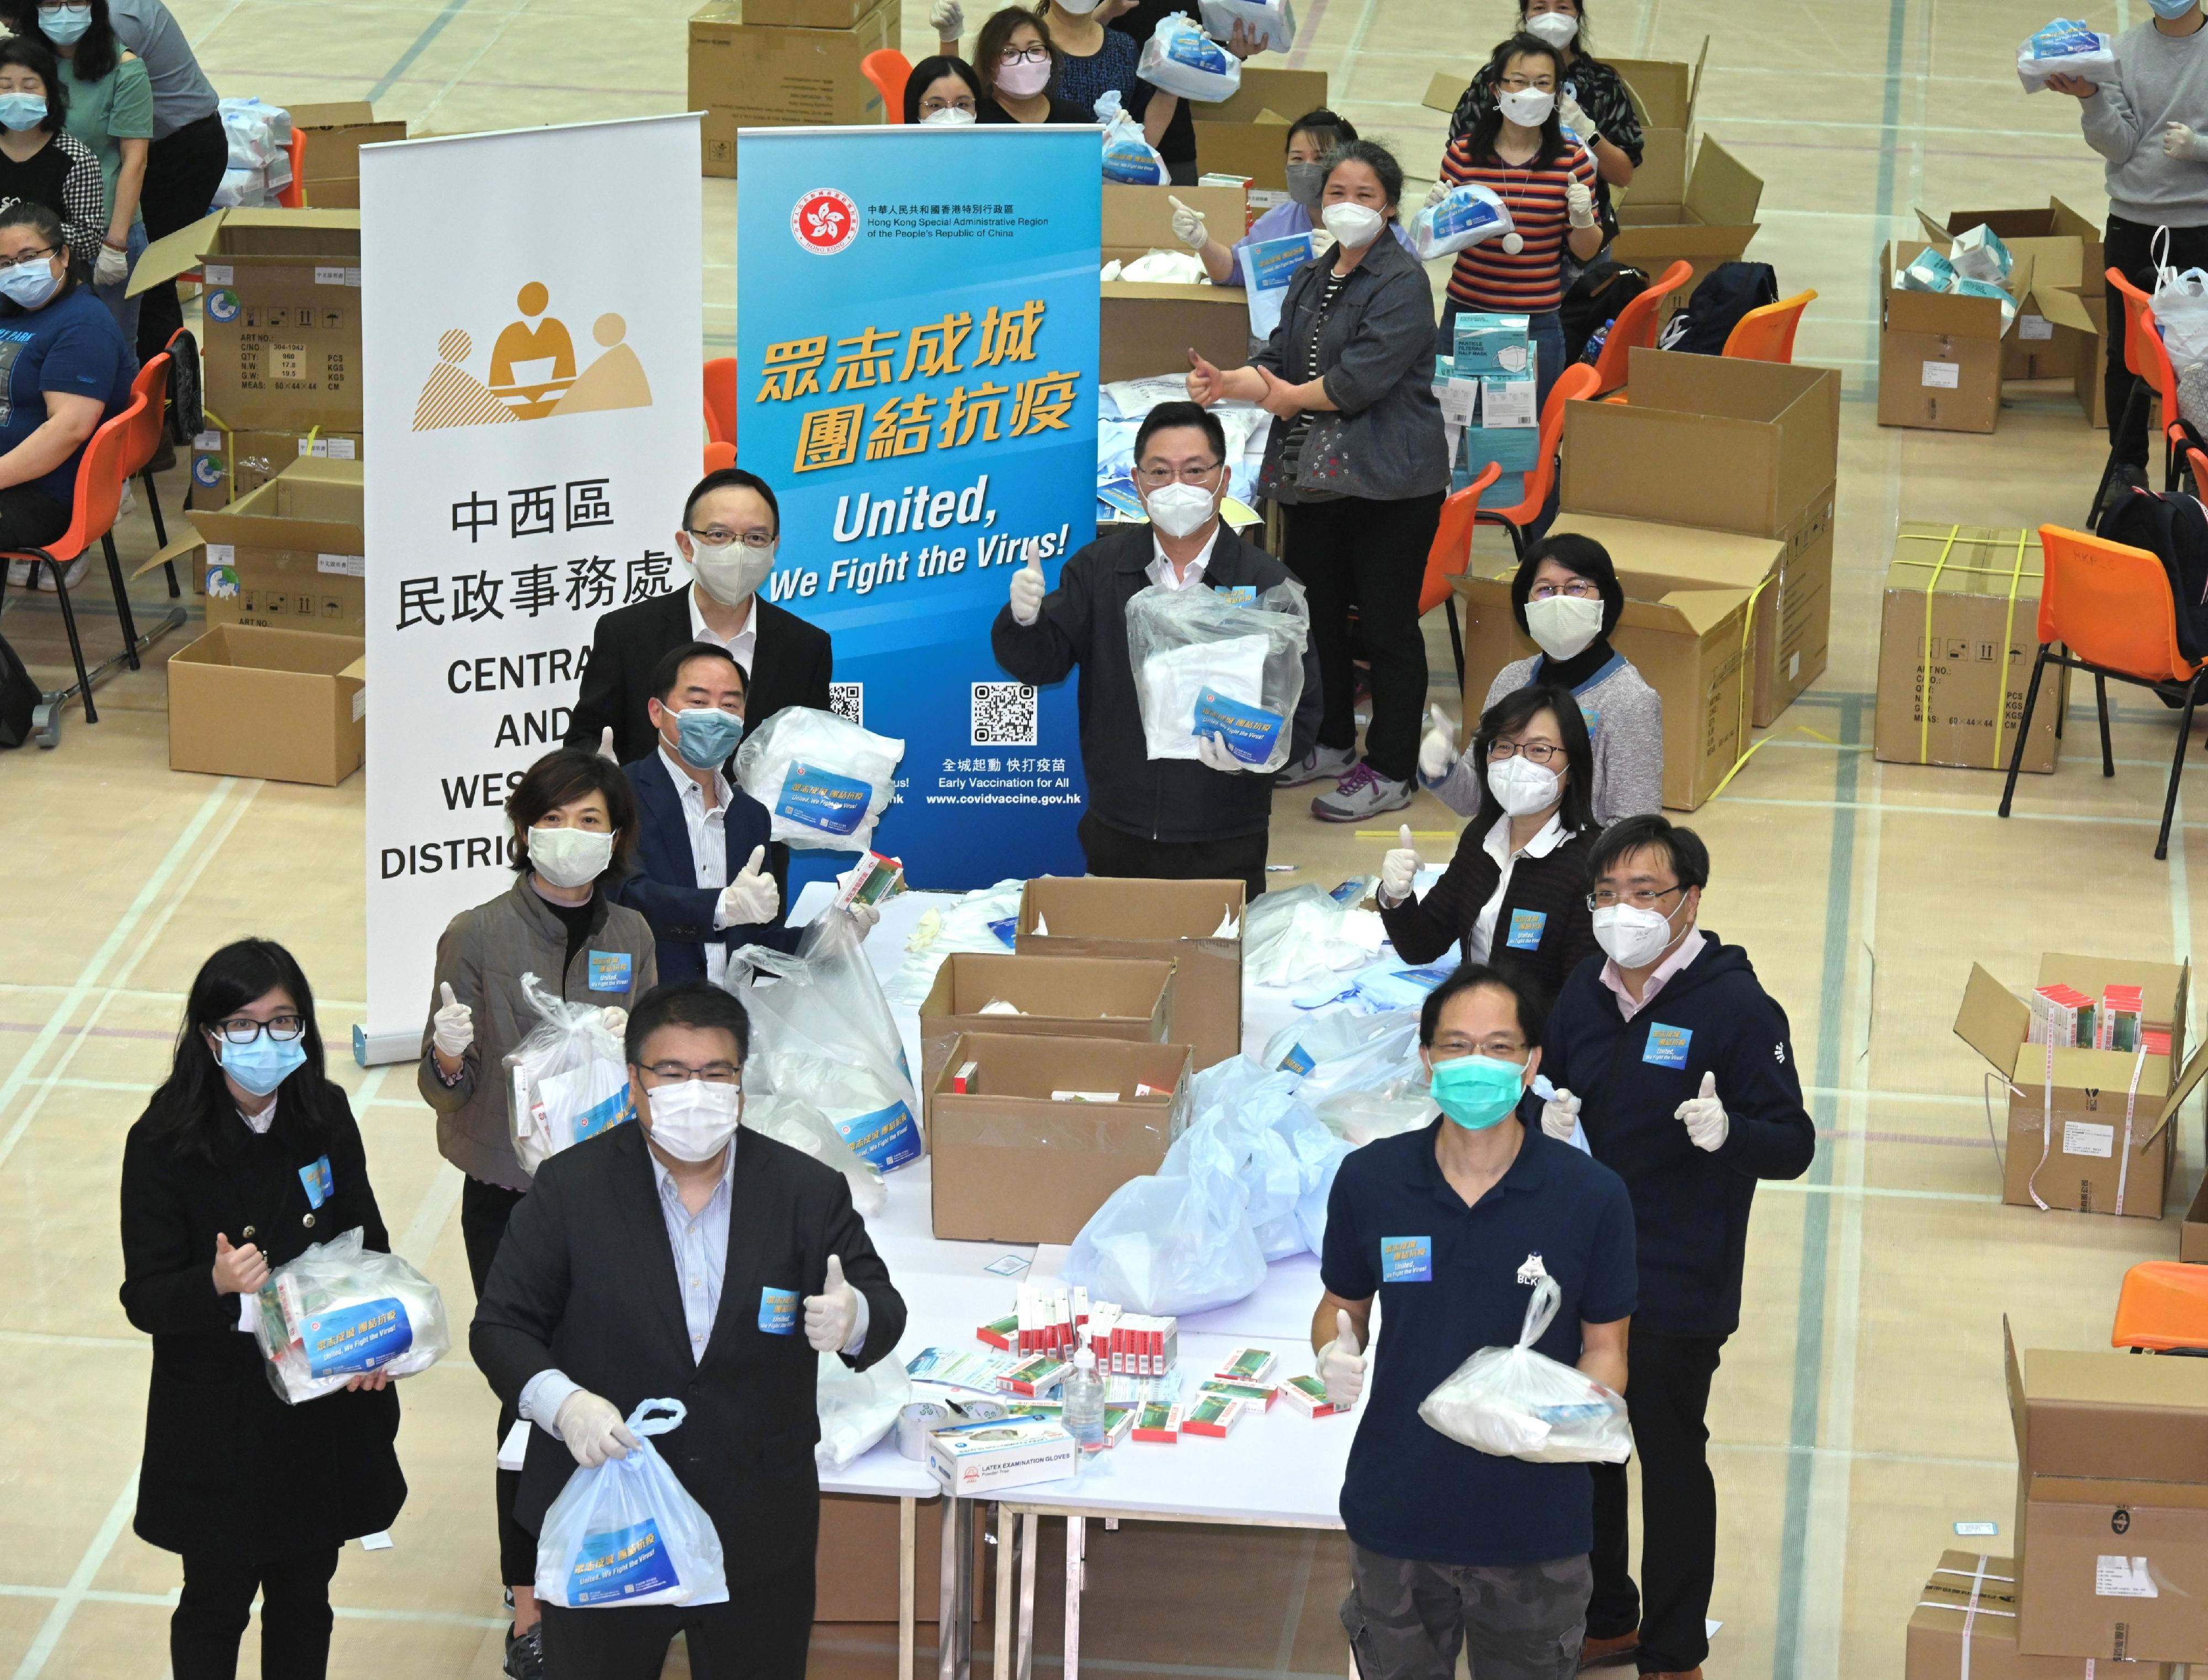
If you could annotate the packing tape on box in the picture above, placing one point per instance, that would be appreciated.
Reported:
(1747, 687)
(915, 1423)
(2131, 1103)
(2024, 539)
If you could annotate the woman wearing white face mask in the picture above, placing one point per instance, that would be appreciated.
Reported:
(1515, 896)
(942, 93)
(1567, 597)
(1592, 100)
(574, 821)
(1310, 137)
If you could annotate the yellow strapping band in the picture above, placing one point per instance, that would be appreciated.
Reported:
(1924, 653)
(1747, 683)
(2008, 633)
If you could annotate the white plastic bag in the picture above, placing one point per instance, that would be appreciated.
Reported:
(567, 1081)
(791, 1119)
(825, 781)
(1467, 216)
(1293, 935)
(856, 1407)
(2181, 310)
(1172, 1243)
(822, 1031)
(984, 919)
(1285, 1157)
(628, 1532)
(1516, 1403)
(2065, 47)
(1156, 268)
(341, 1311)
(1221, 663)
(1273, 21)
(1130, 160)
(1180, 58)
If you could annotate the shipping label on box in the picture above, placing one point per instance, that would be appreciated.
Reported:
(1966, 1623)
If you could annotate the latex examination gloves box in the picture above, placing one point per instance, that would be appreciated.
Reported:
(753, 66)
(290, 555)
(1941, 354)
(283, 705)
(1047, 1129)
(1965, 1621)
(1197, 926)
(1049, 997)
(1147, 329)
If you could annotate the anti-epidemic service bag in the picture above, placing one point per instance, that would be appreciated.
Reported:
(1219, 662)
(628, 1532)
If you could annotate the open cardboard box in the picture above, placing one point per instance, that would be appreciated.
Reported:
(330, 167)
(1258, 149)
(1145, 329)
(1287, 94)
(2082, 316)
(1664, 93)
(1174, 921)
(1939, 355)
(281, 705)
(290, 553)
(2066, 253)
(1056, 997)
(1711, 223)
(749, 71)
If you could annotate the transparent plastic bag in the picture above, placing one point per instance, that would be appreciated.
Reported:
(1221, 663)
(984, 919)
(2065, 47)
(1129, 160)
(341, 1311)
(1305, 931)
(856, 1407)
(1180, 58)
(825, 781)
(628, 1532)
(1273, 21)
(1516, 1403)
(791, 1119)
(1173, 1244)
(567, 1081)
(2181, 310)
(1468, 216)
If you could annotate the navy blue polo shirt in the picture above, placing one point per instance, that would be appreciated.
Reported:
(1447, 1279)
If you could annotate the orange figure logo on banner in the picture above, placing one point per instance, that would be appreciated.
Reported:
(532, 372)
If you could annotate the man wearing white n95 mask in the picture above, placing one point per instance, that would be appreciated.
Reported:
(679, 1257)
(1154, 819)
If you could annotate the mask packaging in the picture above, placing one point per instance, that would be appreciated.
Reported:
(1180, 58)
(825, 781)
(1273, 21)
(341, 1311)
(1129, 160)
(1499, 345)
(1467, 216)
(1516, 1403)
(2065, 47)
(1967, 288)
(1208, 663)
(568, 1081)
(1978, 255)
(1928, 271)
(628, 1532)
(1290, 936)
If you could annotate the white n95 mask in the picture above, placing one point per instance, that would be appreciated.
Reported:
(950, 117)
(1179, 510)
(1529, 107)
(728, 572)
(694, 1120)
(1353, 224)
(1521, 787)
(1557, 28)
(1631, 937)
(1563, 625)
(570, 857)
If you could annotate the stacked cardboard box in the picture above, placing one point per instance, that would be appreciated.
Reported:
(1941, 354)
(1248, 135)
(289, 556)
(1197, 926)
(330, 170)
(226, 465)
(1966, 1623)
(784, 63)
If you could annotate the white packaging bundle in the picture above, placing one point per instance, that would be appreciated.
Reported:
(982, 921)
(1213, 662)
(628, 1532)
(790, 1118)
(1293, 935)
(1516, 1403)
(568, 1080)
(1180, 58)
(259, 163)
(342, 1310)
(1467, 216)
(1978, 255)
(1166, 268)
(825, 781)
(856, 1407)
(2065, 47)
(1273, 21)
(1130, 160)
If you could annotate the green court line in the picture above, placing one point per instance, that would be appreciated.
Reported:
(434, 29)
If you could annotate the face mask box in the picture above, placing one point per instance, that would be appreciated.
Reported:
(1966, 1623)
(290, 553)
(1941, 354)
(1013, 1165)
(329, 168)
(747, 73)
(2112, 1504)
(1056, 997)
(283, 705)
(225, 465)
(1149, 329)
(1179, 922)
(2080, 1134)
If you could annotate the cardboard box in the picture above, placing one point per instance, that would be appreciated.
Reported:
(330, 168)
(2112, 1504)
(1175, 922)
(1723, 444)
(993, 1181)
(281, 344)
(2192, 1232)
(855, 1562)
(753, 75)
(1957, 644)
(1663, 92)
(1058, 996)
(1286, 95)
(290, 553)
(283, 705)
(1259, 150)
(2066, 254)
(1711, 223)
(2082, 317)
(2081, 1135)
(1940, 356)
(1966, 1624)
(226, 465)
(1150, 329)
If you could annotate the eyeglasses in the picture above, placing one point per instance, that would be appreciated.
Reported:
(1533, 752)
(1602, 899)
(49, 10)
(757, 541)
(929, 107)
(1501, 1047)
(1579, 590)
(6, 263)
(1032, 54)
(713, 1073)
(1188, 474)
(244, 1028)
(1520, 84)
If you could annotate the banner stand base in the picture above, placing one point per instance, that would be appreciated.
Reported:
(377, 1049)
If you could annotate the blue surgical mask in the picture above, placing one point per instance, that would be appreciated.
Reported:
(705, 735)
(65, 25)
(263, 1065)
(29, 283)
(19, 111)
(2174, 9)
(1478, 1091)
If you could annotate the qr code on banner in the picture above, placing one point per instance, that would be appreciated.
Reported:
(1004, 714)
(848, 700)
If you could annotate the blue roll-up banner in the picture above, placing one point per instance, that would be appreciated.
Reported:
(916, 355)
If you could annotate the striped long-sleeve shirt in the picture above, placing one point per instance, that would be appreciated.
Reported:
(1530, 281)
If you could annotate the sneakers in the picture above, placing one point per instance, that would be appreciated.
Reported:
(1362, 793)
(73, 574)
(525, 1655)
(19, 574)
(1317, 765)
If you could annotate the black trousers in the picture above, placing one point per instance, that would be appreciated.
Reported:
(183, 172)
(1113, 852)
(217, 1603)
(2129, 246)
(484, 1209)
(762, 1633)
(1371, 556)
(1665, 1400)
(30, 518)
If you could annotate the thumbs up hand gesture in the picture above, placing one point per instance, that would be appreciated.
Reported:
(831, 1317)
(1399, 869)
(453, 1027)
(606, 745)
(237, 1271)
(1340, 1365)
(1437, 747)
(1027, 589)
(1705, 1116)
(752, 897)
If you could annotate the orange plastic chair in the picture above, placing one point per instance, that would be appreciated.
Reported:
(720, 457)
(2110, 608)
(889, 70)
(144, 442)
(1577, 383)
(1451, 552)
(2163, 1308)
(2149, 364)
(99, 477)
(721, 399)
(1636, 325)
(1767, 334)
(294, 197)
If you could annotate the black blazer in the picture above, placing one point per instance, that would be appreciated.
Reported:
(663, 887)
(584, 1283)
(790, 666)
(226, 1463)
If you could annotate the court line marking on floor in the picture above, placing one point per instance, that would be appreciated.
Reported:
(421, 43)
(79, 1582)
(111, 1344)
(430, 1214)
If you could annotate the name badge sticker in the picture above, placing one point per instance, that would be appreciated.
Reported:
(777, 1313)
(1407, 1259)
(316, 1179)
(610, 971)
(1667, 1045)
(1526, 928)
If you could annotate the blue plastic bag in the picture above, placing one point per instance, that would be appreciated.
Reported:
(628, 1532)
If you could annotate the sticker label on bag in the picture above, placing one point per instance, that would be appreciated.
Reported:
(1250, 731)
(1526, 928)
(609, 1568)
(1238, 595)
(315, 1177)
(1298, 1060)
(777, 1314)
(602, 1116)
(1006, 930)
(823, 800)
(884, 1139)
(1667, 1045)
(1407, 1259)
(351, 1340)
(610, 971)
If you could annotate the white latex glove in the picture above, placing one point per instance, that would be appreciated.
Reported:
(110, 266)
(606, 745)
(2179, 141)
(1435, 195)
(752, 896)
(1340, 1365)
(1027, 592)
(866, 915)
(1437, 747)
(1575, 119)
(1399, 869)
(831, 1315)
(452, 1028)
(946, 20)
(1579, 204)
(1213, 751)
(1705, 1116)
(1188, 225)
(592, 1428)
(1560, 1116)
(614, 1019)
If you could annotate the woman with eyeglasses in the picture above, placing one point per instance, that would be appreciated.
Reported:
(1592, 99)
(245, 1156)
(1567, 597)
(1515, 896)
(1019, 63)
(574, 825)
(942, 92)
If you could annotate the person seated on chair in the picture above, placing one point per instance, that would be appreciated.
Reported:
(67, 371)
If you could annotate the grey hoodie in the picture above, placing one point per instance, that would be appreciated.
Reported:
(2160, 79)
